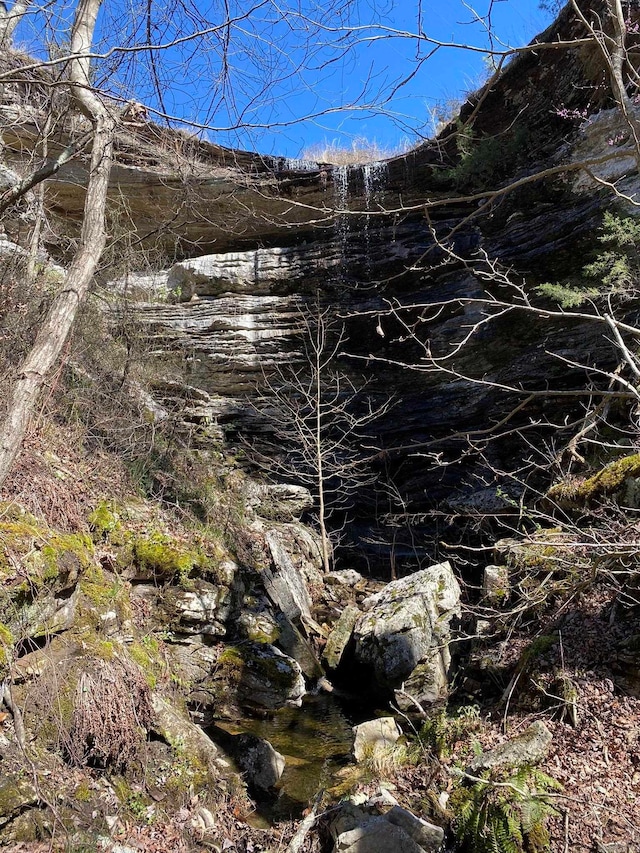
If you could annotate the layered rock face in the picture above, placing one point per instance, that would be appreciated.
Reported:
(246, 243)
(233, 318)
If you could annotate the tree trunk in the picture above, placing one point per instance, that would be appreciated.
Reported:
(9, 20)
(318, 347)
(62, 313)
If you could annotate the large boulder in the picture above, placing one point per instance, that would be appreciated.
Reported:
(278, 502)
(269, 679)
(377, 835)
(260, 762)
(403, 637)
(364, 830)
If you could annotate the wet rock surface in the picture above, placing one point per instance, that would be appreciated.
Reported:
(260, 762)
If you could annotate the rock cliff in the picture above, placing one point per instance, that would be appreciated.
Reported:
(244, 243)
(210, 598)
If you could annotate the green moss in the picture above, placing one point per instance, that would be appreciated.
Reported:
(148, 659)
(277, 670)
(135, 803)
(6, 647)
(20, 528)
(184, 777)
(66, 555)
(15, 793)
(547, 550)
(18, 537)
(83, 792)
(538, 647)
(121, 788)
(6, 637)
(231, 657)
(105, 523)
(95, 646)
(10, 511)
(46, 557)
(166, 559)
(607, 481)
(104, 593)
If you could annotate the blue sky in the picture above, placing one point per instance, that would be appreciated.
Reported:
(252, 84)
(442, 79)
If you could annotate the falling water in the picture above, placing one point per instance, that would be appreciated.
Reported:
(341, 183)
(341, 188)
(374, 176)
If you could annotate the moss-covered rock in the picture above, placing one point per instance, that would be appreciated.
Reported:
(196, 759)
(549, 550)
(39, 572)
(578, 491)
(105, 523)
(36, 556)
(6, 649)
(105, 599)
(259, 627)
(269, 678)
(65, 556)
(340, 636)
(163, 559)
(16, 793)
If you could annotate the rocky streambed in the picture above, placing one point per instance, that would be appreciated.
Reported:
(149, 658)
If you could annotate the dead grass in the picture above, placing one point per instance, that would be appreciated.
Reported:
(111, 715)
(58, 479)
(361, 152)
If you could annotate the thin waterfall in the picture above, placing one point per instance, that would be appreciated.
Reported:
(374, 178)
(341, 188)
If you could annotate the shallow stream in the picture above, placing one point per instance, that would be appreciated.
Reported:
(315, 741)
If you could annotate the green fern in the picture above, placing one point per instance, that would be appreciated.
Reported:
(505, 812)
(442, 732)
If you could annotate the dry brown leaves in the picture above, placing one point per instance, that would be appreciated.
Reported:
(55, 478)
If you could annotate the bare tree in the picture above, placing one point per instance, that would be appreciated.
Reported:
(10, 18)
(59, 321)
(131, 66)
(317, 416)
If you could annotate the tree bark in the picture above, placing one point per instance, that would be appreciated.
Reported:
(9, 20)
(62, 313)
